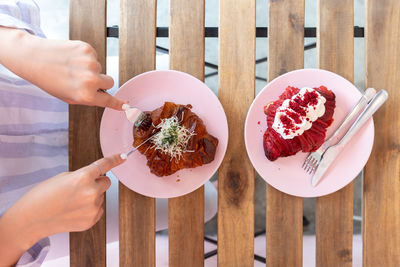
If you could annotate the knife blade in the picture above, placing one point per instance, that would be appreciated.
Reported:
(333, 151)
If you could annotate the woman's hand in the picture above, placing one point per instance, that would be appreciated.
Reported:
(68, 70)
(68, 202)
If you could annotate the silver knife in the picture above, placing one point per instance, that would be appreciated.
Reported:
(333, 151)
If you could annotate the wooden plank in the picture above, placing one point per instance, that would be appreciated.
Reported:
(87, 23)
(334, 213)
(381, 210)
(186, 229)
(236, 92)
(284, 222)
(186, 213)
(136, 55)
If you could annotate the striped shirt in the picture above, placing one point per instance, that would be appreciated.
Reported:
(33, 127)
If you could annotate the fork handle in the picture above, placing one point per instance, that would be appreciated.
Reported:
(366, 97)
(367, 113)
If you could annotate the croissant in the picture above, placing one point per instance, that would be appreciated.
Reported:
(276, 146)
(200, 148)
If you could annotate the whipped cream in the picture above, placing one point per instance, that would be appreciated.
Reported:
(297, 114)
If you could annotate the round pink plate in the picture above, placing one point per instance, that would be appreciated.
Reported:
(286, 174)
(147, 92)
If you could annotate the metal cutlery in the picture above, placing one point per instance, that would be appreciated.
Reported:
(137, 117)
(125, 155)
(314, 158)
(333, 151)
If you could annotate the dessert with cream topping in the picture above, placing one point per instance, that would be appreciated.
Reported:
(297, 121)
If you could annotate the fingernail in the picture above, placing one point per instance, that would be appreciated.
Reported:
(123, 156)
(125, 106)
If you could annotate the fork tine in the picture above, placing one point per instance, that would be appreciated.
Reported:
(308, 166)
(315, 166)
(311, 165)
(310, 162)
(310, 169)
(306, 162)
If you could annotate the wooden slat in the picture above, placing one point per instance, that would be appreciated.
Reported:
(186, 229)
(186, 213)
(236, 92)
(284, 222)
(87, 23)
(381, 210)
(334, 213)
(136, 55)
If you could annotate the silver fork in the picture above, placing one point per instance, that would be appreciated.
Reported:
(137, 117)
(311, 162)
(140, 120)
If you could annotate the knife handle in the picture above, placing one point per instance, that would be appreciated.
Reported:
(365, 98)
(371, 108)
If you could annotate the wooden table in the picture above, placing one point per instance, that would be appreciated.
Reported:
(237, 39)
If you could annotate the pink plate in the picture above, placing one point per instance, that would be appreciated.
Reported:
(286, 174)
(149, 91)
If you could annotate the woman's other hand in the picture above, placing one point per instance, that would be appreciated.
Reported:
(68, 202)
(68, 70)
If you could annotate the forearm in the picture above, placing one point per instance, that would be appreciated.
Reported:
(10, 252)
(30, 57)
(17, 50)
(17, 234)
(68, 70)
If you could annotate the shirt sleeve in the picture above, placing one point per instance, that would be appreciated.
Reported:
(21, 14)
(24, 14)
(35, 256)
